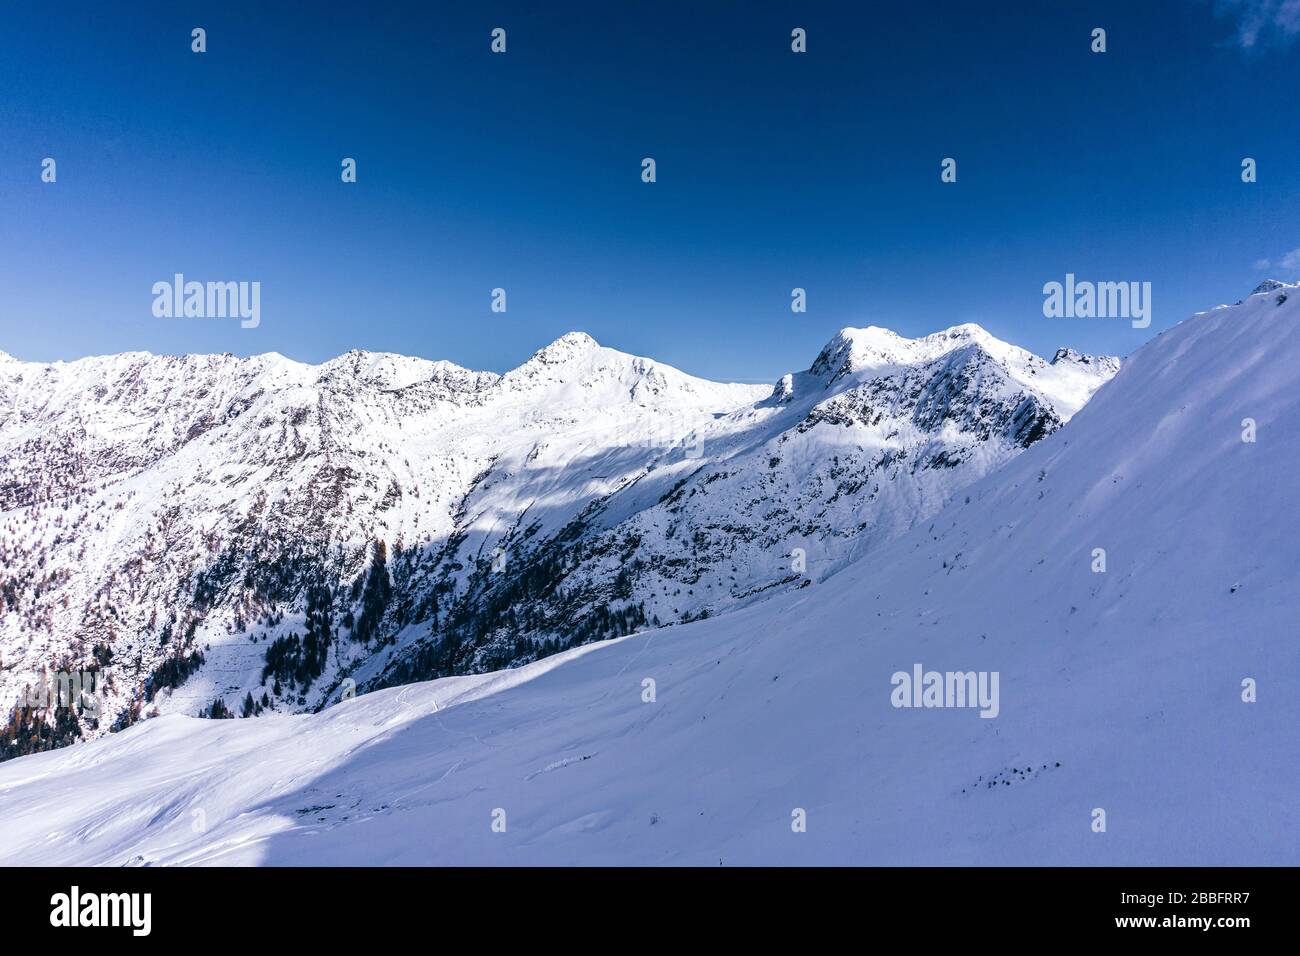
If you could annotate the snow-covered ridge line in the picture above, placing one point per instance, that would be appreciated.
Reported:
(389, 369)
(882, 344)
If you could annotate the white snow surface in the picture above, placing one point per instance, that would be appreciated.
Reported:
(1118, 690)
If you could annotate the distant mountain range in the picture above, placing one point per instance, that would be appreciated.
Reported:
(209, 530)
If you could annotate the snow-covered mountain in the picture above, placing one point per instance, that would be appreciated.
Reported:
(1128, 578)
(206, 529)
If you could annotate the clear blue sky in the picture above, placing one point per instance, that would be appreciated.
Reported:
(522, 171)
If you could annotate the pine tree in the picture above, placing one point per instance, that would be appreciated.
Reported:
(378, 591)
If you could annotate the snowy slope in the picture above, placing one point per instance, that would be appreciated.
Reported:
(1118, 690)
(207, 524)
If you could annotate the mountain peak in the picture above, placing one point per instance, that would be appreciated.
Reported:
(577, 339)
(562, 357)
(568, 346)
(390, 370)
(1067, 354)
(1268, 285)
(851, 350)
(967, 330)
(1071, 362)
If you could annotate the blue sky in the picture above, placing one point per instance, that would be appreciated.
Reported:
(522, 171)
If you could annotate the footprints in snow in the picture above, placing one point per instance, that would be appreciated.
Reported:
(1009, 776)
